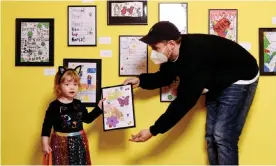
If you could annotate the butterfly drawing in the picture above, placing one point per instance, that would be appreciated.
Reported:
(123, 101)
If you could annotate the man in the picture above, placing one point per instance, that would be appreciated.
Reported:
(219, 67)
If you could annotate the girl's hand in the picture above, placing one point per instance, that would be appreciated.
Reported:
(46, 149)
(100, 104)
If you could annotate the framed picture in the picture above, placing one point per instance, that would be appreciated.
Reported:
(267, 51)
(133, 56)
(34, 42)
(118, 108)
(91, 71)
(132, 12)
(169, 93)
(82, 25)
(223, 22)
(178, 14)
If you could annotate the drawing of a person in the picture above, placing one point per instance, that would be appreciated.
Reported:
(89, 81)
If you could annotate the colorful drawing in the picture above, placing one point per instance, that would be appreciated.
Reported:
(127, 9)
(35, 42)
(223, 23)
(82, 25)
(118, 107)
(133, 56)
(87, 91)
(169, 93)
(269, 51)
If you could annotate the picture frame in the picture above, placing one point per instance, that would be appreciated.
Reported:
(91, 75)
(224, 23)
(131, 12)
(82, 25)
(118, 108)
(133, 55)
(178, 14)
(267, 51)
(169, 93)
(34, 42)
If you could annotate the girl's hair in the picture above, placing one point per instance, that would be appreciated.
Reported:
(58, 81)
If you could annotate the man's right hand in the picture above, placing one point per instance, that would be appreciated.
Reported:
(135, 82)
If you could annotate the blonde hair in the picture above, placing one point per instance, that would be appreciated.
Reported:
(58, 81)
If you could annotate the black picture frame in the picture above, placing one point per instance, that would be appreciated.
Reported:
(34, 42)
(127, 20)
(179, 19)
(97, 92)
(209, 23)
(78, 25)
(264, 54)
(120, 55)
(107, 100)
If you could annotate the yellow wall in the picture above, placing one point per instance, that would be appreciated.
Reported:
(26, 92)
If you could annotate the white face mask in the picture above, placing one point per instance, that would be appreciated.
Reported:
(158, 57)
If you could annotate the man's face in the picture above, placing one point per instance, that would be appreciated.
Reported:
(164, 47)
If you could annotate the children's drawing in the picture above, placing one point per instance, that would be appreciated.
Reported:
(223, 23)
(269, 51)
(169, 93)
(87, 91)
(118, 107)
(82, 25)
(127, 9)
(133, 56)
(178, 15)
(34, 42)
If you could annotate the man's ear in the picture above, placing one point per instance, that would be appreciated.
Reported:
(78, 69)
(61, 70)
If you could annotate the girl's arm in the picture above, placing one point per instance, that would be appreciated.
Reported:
(94, 114)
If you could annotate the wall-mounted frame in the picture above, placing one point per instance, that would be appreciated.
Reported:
(224, 23)
(169, 93)
(91, 74)
(178, 14)
(267, 51)
(34, 42)
(133, 55)
(132, 12)
(82, 25)
(118, 108)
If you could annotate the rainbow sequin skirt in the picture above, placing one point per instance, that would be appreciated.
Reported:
(70, 148)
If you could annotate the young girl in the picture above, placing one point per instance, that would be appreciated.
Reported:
(69, 144)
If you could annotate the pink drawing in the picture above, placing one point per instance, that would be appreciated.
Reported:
(123, 101)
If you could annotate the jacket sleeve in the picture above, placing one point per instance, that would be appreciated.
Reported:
(164, 77)
(48, 121)
(189, 91)
(91, 116)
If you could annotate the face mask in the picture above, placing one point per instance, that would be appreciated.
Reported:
(159, 57)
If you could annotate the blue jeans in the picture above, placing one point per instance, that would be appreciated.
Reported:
(226, 115)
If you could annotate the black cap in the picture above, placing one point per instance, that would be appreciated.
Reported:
(163, 30)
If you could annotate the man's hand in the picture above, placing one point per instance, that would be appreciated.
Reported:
(142, 136)
(135, 82)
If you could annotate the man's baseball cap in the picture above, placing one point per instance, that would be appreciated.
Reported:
(163, 30)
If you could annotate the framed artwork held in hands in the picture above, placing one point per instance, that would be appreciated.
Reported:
(90, 89)
(34, 42)
(224, 23)
(133, 56)
(132, 12)
(118, 108)
(267, 51)
(82, 25)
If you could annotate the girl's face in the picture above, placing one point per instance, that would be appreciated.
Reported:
(69, 88)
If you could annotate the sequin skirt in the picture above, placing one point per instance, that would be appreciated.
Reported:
(70, 148)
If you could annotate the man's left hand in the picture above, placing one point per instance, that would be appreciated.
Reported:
(142, 136)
